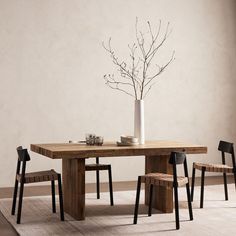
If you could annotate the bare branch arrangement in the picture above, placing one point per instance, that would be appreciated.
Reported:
(139, 76)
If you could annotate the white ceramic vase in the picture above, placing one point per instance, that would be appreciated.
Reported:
(139, 121)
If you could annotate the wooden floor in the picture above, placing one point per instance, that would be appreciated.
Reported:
(7, 230)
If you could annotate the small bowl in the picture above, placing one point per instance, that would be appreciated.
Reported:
(128, 139)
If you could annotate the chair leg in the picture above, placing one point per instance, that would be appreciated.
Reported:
(98, 179)
(20, 203)
(176, 207)
(60, 198)
(150, 200)
(235, 178)
(53, 196)
(137, 200)
(225, 186)
(202, 187)
(110, 186)
(14, 198)
(98, 183)
(193, 182)
(189, 202)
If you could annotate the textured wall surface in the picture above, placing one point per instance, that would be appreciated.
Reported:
(52, 65)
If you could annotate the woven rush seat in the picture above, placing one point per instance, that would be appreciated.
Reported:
(213, 167)
(162, 179)
(92, 167)
(41, 176)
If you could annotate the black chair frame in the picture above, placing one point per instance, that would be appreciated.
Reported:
(224, 147)
(99, 168)
(176, 158)
(23, 157)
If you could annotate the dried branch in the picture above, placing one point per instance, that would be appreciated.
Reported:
(139, 73)
(135, 71)
(154, 38)
(153, 52)
(109, 84)
(148, 90)
(110, 79)
(122, 66)
(161, 69)
(139, 41)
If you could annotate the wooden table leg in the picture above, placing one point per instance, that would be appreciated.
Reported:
(162, 196)
(73, 176)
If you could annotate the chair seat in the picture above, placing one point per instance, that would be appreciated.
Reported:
(162, 179)
(213, 167)
(92, 167)
(40, 176)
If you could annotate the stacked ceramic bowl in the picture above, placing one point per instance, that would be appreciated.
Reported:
(126, 140)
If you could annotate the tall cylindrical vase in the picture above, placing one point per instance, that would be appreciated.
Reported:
(139, 121)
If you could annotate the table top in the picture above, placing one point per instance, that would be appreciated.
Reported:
(110, 149)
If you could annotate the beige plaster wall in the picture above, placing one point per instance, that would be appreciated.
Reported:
(52, 66)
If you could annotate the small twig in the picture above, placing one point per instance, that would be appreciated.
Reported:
(161, 69)
(110, 79)
(154, 38)
(148, 90)
(117, 88)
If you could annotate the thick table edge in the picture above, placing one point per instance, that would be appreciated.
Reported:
(35, 148)
(115, 152)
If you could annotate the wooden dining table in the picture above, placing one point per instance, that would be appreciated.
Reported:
(73, 157)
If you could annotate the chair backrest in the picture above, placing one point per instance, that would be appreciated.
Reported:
(227, 147)
(23, 154)
(23, 157)
(177, 158)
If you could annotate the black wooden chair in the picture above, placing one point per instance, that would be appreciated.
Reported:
(34, 177)
(224, 148)
(99, 167)
(160, 179)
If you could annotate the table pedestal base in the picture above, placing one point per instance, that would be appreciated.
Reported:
(73, 176)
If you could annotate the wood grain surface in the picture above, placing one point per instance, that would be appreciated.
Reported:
(110, 149)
